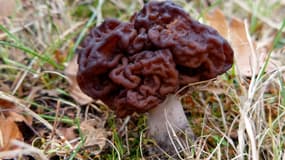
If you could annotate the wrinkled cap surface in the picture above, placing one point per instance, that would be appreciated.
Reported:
(132, 66)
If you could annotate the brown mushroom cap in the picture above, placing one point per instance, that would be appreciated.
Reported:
(132, 66)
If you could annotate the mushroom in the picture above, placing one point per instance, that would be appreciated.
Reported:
(138, 66)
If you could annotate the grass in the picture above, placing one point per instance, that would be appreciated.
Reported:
(238, 117)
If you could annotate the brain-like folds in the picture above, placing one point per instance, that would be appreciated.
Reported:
(132, 66)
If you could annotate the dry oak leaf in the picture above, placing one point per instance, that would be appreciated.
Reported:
(4, 104)
(9, 124)
(10, 110)
(8, 132)
(75, 92)
(236, 33)
(7, 7)
(95, 137)
(69, 133)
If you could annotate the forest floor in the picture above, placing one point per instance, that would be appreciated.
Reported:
(44, 115)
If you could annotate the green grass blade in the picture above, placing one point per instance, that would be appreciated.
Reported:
(62, 119)
(278, 36)
(33, 53)
(81, 144)
(10, 35)
(81, 36)
(17, 65)
(276, 40)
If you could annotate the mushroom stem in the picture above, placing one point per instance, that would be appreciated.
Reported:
(168, 124)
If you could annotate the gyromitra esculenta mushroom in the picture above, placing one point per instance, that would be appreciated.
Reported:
(137, 66)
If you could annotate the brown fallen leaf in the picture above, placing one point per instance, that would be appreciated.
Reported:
(74, 89)
(241, 46)
(7, 7)
(10, 110)
(8, 132)
(10, 120)
(4, 104)
(95, 137)
(68, 133)
(236, 33)
(217, 20)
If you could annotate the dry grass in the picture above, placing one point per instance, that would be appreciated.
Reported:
(234, 117)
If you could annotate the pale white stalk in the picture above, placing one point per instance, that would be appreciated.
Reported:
(168, 124)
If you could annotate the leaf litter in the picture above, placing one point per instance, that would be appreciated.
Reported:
(94, 131)
(8, 127)
(95, 135)
(7, 8)
(235, 32)
(74, 89)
